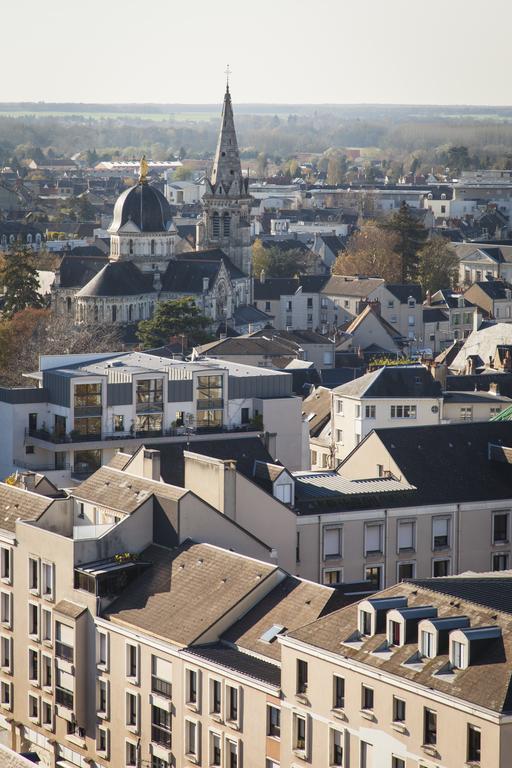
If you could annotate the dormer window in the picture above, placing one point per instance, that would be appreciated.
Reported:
(458, 655)
(394, 633)
(427, 644)
(365, 622)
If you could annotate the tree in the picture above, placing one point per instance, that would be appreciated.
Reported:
(438, 265)
(277, 262)
(411, 235)
(336, 169)
(183, 173)
(372, 252)
(262, 165)
(18, 275)
(173, 318)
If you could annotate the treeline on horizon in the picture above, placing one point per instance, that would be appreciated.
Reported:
(487, 138)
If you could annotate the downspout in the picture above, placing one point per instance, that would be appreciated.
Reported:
(319, 549)
(457, 551)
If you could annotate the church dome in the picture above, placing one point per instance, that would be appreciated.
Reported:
(145, 206)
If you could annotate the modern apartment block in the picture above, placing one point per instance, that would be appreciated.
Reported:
(82, 409)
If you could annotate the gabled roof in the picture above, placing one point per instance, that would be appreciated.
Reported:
(245, 345)
(434, 315)
(18, 504)
(402, 292)
(362, 317)
(211, 580)
(495, 289)
(77, 271)
(396, 381)
(275, 287)
(357, 287)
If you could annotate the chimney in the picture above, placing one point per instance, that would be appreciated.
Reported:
(428, 298)
(151, 464)
(494, 388)
(28, 481)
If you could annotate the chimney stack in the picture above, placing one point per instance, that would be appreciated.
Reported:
(151, 464)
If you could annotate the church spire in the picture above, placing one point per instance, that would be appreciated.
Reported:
(227, 169)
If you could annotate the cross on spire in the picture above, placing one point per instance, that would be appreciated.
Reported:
(227, 72)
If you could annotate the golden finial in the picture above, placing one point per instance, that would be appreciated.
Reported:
(143, 170)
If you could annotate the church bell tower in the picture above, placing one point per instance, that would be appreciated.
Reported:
(225, 222)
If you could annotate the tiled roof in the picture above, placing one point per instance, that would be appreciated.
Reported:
(122, 491)
(187, 590)
(69, 609)
(339, 285)
(237, 661)
(316, 407)
(486, 683)
(17, 504)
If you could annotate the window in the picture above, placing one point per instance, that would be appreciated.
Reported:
(215, 750)
(232, 703)
(336, 757)
(33, 707)
(191, 687)
(339, 435)
(406, 534)
(466, 413)
(373, 538)
(159, 762)
(216, 697)
(161, 677)
(429, 727)
(131, 709)
(474, 744)
(365, 622)
(440, 532)
(6, 653)
(458, 655)
(440, 568)
(118, 423)
(299, 732)
(131, 753)
(102, 649)
(333, 576)
(33, 574)
(405, 571)
(33, 619)
(33, 666)
(339, 692)
(332, 542)
(47, 579)
(5, 609)
(365, 755)
(131, 660)
(47, 713)
(46, 625)
(373, 574)
(369, 411)
(102, 703)
(160, 727)
(403, 411)
(5, 694)
(46, 670)
(398, 710)
(366, 698)
(64, 642)
(302, 676)
(314, 458)
(232, 756)
(339, 406)
(500, 561)
(5, 563)
(102, 740)
(283, 493)
(394, 633)
(427, 644)
(358, 411)
(191, 742)
(500, 527)
(397, 762)
(273, 721)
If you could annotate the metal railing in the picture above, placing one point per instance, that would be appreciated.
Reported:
(162, 687)
(161, 736)
(64, 651)
(64, 697)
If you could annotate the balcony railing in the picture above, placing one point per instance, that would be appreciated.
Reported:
(64, 651)
(75, 437)
(210, 405)
(64, 697)
(162, 687)
(87, 410)
(150, 407)
(161, 736)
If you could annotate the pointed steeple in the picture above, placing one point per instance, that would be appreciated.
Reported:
(227, 169)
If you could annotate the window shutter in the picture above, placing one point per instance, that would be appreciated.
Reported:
(162, 669)
(405, 535)
(373, 538)
(331, 542)
(440, 527)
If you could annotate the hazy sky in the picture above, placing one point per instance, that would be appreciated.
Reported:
(338, 51)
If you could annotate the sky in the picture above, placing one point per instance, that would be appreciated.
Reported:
(279, 51)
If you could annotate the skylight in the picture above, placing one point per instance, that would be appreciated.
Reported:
(271, 634)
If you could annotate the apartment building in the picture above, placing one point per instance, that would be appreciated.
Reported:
(493, 298)
(389, 396)
(82, 409)
(418, 675)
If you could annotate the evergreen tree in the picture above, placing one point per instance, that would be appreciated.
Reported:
(176, 317)
(411, 236)
(438, 265)
(276, 262)
(18, 275)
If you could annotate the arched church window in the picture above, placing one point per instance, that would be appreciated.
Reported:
(226, 224)
(68, 302)
(152, 247)
(215, 225)
(114, 313)
(29, 239)
(130, 312)
(95, 313)
(131, 246)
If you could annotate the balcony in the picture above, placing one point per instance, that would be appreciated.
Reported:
(152, 406)
(59, 438)
(64, 697)
(87, 410)
(210, 405)
(63, 651)
(161, 687)
(161, 736)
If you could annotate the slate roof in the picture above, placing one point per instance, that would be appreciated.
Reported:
(296, 337)
(77, 271)
(244, 345)
(449, 463)
(291, 604)
(473, 397)
(237, 661)
(434, 315)
(485, 683)
(18, 504)
(248, 314)
(244, 450)
(210, 579)
(274, 287)
(186, 273)
(394, 381)
(402, 292)
(122, 491)
(495, 289)
(145, 206)
(118, 278)
(334, 243)
(483, 344)
(340, 285)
